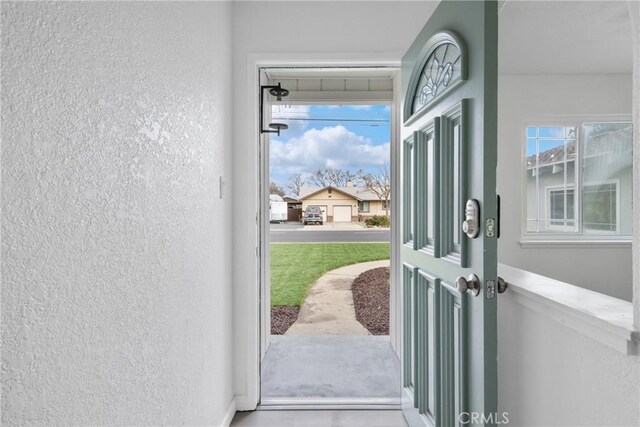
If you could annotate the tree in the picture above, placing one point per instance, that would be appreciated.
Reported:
(296, 182)
(334, 177)
(380, 184)
(275, 189)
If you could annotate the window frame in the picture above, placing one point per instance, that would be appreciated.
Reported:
(368, 206)
(559, 227)
(564, 237)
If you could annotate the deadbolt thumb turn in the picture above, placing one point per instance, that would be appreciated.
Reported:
(471, 284)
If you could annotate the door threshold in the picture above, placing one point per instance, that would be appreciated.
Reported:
(333, 403)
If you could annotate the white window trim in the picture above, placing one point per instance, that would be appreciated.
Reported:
(564, 240)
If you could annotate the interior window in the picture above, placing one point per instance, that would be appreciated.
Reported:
(578, 179)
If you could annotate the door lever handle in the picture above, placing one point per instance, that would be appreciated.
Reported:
(471, 284)
(502, 285)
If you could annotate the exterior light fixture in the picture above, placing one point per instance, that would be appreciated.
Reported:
(279, 92)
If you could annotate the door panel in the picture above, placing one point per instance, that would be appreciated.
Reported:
(449, 86)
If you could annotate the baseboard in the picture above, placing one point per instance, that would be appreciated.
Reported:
(228, 416)
(267, 404)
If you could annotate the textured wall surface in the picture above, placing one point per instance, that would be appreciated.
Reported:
(551, 375)
(116, 294)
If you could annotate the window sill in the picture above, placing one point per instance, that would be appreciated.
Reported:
(526, 243)
(603, 318)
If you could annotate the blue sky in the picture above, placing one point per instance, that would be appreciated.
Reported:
(319, 136)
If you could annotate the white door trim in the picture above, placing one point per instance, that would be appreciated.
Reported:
(247, 340)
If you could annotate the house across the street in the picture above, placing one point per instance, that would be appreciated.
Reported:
(343, 204)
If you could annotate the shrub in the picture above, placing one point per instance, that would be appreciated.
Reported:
(377, 221)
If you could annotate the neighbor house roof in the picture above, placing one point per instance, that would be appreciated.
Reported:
(599, 147)
(358, 193)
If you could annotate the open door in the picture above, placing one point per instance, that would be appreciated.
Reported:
(448, 250)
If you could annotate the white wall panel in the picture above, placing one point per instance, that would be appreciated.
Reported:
(551, 375)
(523, 99)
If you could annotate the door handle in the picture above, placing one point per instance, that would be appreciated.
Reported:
(502, 285)
(471, 284)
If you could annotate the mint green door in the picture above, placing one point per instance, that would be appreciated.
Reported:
(449, 138)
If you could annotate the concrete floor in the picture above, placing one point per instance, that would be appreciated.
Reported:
(319, 419)
(331, 366)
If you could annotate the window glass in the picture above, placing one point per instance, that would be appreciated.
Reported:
(599, 207)
(551, 179)
(600, 203)
(363, 206)
(558, 200)
(606, 154)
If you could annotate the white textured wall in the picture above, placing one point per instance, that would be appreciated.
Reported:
(116, 294)
(551, 375)
(526, 97)
(318, 30)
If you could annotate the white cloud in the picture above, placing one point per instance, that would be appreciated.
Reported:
(335, 147)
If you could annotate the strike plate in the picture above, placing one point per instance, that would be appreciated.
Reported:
(491, 289)
(491, 227)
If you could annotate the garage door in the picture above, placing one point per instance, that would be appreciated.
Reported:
(342, 214)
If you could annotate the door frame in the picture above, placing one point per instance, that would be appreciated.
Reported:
(255, 341)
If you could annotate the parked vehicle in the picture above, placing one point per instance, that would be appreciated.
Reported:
(277, 209)
(312, 214)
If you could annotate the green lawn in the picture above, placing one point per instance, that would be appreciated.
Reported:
(295, 266)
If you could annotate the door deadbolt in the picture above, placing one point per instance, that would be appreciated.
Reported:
(470, 284)
(471, 224)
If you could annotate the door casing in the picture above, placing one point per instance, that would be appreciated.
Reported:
(251, 320)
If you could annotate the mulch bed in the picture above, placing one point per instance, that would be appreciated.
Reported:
(282, 317)
(371, 300)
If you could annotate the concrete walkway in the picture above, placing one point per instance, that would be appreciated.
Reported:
(328, 308)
